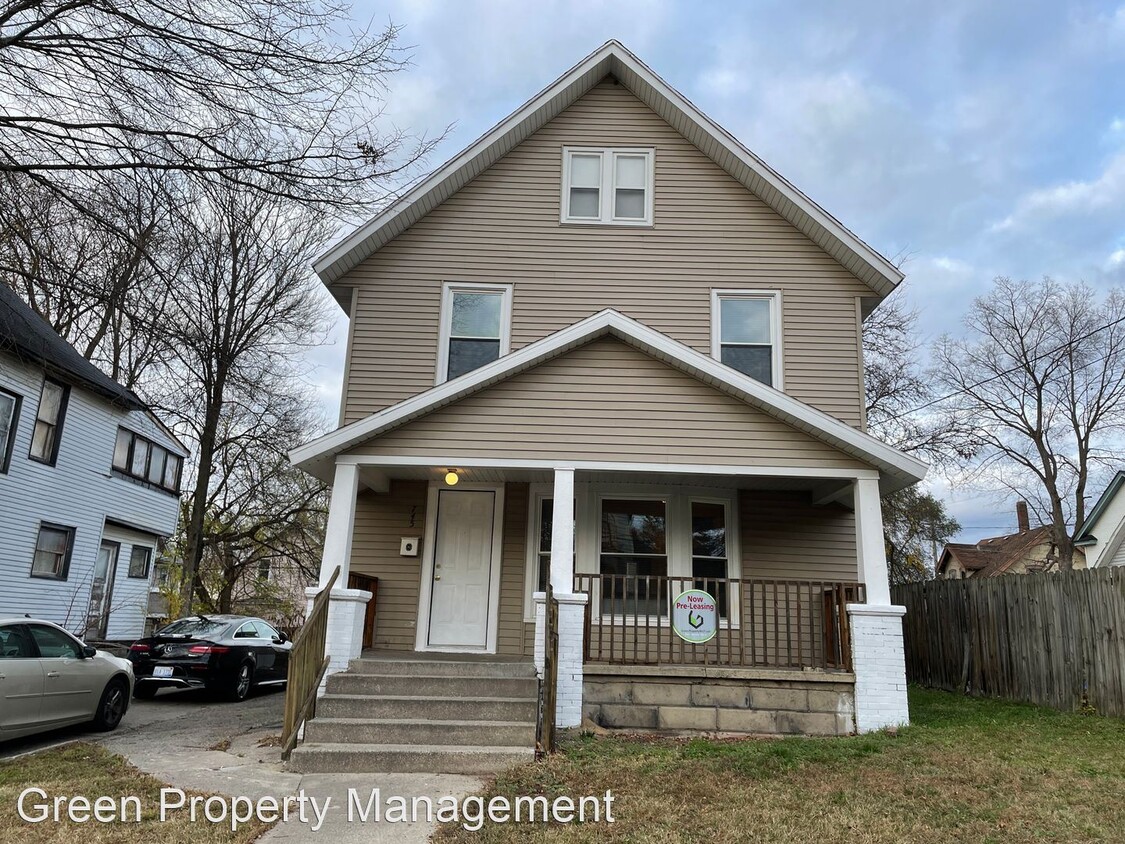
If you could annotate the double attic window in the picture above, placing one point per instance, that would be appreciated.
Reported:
(610, 186)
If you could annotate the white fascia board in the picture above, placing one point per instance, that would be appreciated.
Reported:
(773, 402)
(513, 129)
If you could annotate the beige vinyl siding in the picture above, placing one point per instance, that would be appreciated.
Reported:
(607, 401)
(510, 633)
(380, 521)
(709, 232)
(784, 536)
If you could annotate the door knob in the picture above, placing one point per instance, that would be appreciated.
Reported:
(52, 674)
(437, 577)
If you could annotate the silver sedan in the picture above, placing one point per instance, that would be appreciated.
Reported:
(50, 679)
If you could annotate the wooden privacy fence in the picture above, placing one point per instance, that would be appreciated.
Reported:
(307, 664)
(763, 623)
(1053, 639)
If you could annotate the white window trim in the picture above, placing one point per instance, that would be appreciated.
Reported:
(774, 297)
(448, 288)
(587, 535)
(606, 190)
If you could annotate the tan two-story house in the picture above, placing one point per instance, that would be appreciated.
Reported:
(606, 347)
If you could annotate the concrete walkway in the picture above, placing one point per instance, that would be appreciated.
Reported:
(191, 742)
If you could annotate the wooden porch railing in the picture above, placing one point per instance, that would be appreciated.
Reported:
(764, 623)
(307, 664)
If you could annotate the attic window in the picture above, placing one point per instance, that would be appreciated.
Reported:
(609, 186)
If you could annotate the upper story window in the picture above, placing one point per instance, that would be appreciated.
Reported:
(49, 421)
(9, 416)
(612, 186)
(475, 323)
(144, 460)
(746, 333)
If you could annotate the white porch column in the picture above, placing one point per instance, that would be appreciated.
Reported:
(572, 607)
(562, 533)
(341, 524)
(870, 545)
(346, 607)
(878, 656)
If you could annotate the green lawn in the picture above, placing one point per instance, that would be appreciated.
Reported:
(967, 770)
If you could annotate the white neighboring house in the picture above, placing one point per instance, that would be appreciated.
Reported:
(89, 485)
(1102, 535)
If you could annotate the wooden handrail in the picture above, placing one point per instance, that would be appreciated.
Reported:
(308, 662)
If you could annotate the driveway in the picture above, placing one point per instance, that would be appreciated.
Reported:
(172, 721)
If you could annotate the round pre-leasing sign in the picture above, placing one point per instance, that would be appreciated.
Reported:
(695, 616)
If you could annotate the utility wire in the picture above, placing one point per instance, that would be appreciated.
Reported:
(1009, 371)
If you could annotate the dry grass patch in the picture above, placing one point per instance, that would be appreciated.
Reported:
(92, 771)
(966, 771)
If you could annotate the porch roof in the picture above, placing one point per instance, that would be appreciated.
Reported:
(895, 468)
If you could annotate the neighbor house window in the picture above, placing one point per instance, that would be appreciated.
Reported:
(49, 421)
(612, 186)
(9, 416)
(139, 560)
(746, 333)
(475, 323)
(144, 460)
(52, 552)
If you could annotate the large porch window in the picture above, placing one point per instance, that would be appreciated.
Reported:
(648, 545)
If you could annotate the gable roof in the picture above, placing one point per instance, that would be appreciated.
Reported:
(30, 338)
(996, 555)
(899, 469)
(613, 59)
(1084, 535)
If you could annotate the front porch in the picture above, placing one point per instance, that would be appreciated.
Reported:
(461, 566)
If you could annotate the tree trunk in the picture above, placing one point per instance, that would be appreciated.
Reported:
(193, 538)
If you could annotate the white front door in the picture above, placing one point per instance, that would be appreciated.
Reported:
(460, 597)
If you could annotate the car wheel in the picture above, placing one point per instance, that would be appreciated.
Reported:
(240, 687)
(145, 691)
(112, 706)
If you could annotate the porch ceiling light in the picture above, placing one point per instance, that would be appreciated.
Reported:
(451, 478)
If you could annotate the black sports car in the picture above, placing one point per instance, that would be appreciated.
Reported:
(225, 654)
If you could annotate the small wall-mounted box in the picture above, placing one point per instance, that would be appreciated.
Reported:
(409, 546)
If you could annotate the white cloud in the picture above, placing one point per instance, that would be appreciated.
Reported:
(1098, 196)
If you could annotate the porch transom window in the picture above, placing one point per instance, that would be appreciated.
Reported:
(746, 332)
(475, 324)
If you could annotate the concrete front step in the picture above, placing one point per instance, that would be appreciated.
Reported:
(426, 708)
(347, 683)
(411, 731)
(440, 668)
(400, 758)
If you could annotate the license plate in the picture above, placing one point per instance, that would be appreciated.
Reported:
(162, 671)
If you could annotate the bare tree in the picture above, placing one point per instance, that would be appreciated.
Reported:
(262, 511)
(103, 292)
(896, 384)
(276, 97)
(1040, 379)
(243, 307)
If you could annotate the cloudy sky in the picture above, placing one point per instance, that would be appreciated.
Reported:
(979, 139)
